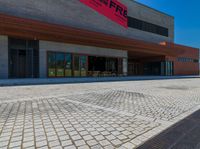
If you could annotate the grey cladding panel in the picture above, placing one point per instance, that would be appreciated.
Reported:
(73, 13)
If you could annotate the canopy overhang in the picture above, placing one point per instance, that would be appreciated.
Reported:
(38, 30)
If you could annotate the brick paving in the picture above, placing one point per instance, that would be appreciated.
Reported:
(93, 115)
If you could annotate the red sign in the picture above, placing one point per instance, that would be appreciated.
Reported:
(112, 9)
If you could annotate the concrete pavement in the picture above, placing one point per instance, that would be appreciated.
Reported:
(93, 115)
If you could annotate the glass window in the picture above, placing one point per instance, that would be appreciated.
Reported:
(148, 27)
(120, 66)
(76, 66)
(60, 60)
(68, 65)
(80, 65)
(111, 65)
(76, 62)
(169, 68)
(83, 63)
(162, 68)
(83, 60)
(51, 64)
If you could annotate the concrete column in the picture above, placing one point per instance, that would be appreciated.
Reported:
(125, 66)
(3, 57)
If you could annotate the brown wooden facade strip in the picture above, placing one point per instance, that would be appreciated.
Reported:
(32, 29)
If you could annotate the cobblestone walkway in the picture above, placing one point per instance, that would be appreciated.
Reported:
(94, 115)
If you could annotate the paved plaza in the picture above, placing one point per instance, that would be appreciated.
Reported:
(106, 115)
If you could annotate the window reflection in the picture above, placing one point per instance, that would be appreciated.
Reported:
(51, 64)
(60, 59)
(76, 66)
(68, 65)
(83, 60)
(59, 64)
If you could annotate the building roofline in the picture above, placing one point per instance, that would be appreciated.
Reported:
(153, 9)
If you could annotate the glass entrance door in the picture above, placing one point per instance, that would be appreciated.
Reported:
(13, 63)
(133, 69)
(23, 58)
(21, 64)
(167, 68)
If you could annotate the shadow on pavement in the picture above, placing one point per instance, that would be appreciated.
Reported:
(183, 135)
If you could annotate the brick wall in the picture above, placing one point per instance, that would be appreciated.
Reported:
(186, 68)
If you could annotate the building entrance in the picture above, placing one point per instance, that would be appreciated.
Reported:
(76, 65)
(23, 58)
(133, 69)
(104, 66)
(149, 68)
(21, 63)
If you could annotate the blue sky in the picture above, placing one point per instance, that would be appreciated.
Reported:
(187, 18)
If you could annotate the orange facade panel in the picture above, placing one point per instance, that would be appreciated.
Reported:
(186, 67)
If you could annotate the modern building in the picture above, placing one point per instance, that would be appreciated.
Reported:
(70, 38)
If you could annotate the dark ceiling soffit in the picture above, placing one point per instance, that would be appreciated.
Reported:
(27, 28)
